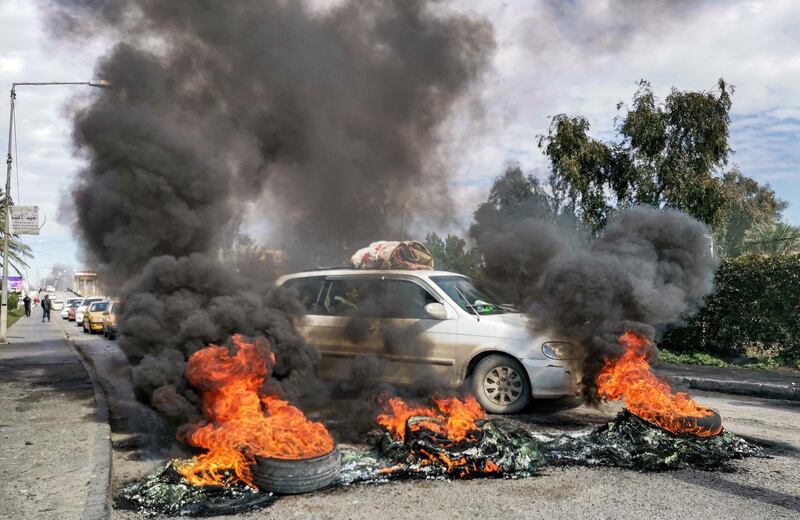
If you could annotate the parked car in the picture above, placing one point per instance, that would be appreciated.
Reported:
(71, 303)
(57, 305)
(84, 305)
(71, 310)
(93, 317)
(110, 320)
(432, 327)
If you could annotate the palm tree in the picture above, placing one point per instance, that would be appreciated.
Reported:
(772, 239)
(18, 252)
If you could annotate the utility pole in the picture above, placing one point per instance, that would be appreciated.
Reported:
(9, 161)
(7, 224)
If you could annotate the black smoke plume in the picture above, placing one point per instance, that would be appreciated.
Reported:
(327, 117)
(648, 268)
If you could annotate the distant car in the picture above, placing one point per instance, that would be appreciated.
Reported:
(110, 320)
(93, 317)
(81, 310)
(57, 305)
(50, 288)
(68, 313)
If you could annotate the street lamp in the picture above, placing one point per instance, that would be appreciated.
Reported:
(9, 160)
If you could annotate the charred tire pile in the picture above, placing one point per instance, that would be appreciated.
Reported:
(291, 477)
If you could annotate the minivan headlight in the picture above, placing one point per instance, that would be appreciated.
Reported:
(560, 350)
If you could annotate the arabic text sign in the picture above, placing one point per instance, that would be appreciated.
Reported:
(25, 220)
(15, 283)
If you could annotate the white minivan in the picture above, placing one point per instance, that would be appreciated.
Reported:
(432, 327)
(83, 307)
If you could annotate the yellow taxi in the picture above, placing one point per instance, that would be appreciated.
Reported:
(110, 320)
(93, 317)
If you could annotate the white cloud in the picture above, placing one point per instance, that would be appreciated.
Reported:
(547, 64)
(43, 155)
(10, 63)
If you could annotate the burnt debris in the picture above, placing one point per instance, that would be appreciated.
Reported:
(490, 451)
(632, 443)
(165, 492)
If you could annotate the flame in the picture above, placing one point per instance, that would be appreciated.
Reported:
(451, 418)
(241, 424)
(631, 379)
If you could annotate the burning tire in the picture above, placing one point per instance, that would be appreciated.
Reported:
(697, 426)
(292, 477)
(500, 384)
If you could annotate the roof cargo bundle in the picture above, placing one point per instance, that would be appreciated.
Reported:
(393, 255)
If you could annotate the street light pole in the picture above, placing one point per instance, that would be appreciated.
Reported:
(9, 161)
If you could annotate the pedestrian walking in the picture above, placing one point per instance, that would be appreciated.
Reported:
(46, 308)
(26, 301)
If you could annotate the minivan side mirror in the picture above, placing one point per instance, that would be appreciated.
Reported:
(436, 311)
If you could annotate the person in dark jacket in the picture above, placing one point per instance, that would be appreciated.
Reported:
(26, 301)
(46, 307)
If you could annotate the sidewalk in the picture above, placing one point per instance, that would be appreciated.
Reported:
(55, 458)
(771, 384)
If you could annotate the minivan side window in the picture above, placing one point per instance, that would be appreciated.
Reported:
(353, 297)
(405, 299)
(306, 290)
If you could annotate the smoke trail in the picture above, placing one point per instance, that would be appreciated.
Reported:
(333, 114)
(647, 269)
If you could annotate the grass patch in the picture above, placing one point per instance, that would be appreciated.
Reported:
(14, 315)
(695, 358)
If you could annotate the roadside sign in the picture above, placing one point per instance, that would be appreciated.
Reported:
(15, 283)
(24, 220)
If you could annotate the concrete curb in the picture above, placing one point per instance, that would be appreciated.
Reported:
(98, 499)
(764, 390)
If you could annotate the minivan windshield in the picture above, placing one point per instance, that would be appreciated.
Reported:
(469, 296)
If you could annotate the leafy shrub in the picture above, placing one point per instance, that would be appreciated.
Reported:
(13, 300)
(755, 307)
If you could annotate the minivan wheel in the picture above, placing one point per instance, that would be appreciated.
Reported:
(501, 385)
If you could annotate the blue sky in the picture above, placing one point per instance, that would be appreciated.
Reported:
(579, 57)
(767, 146)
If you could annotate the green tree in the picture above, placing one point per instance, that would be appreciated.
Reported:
(666, 154)
(748, 204)
(515, 196)
(772, 239)
(451, 254)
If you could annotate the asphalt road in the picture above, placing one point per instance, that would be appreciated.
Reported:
(759, 488)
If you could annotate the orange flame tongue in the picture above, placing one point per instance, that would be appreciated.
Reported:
(452, 417)
(240, 424)
(631, 379)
